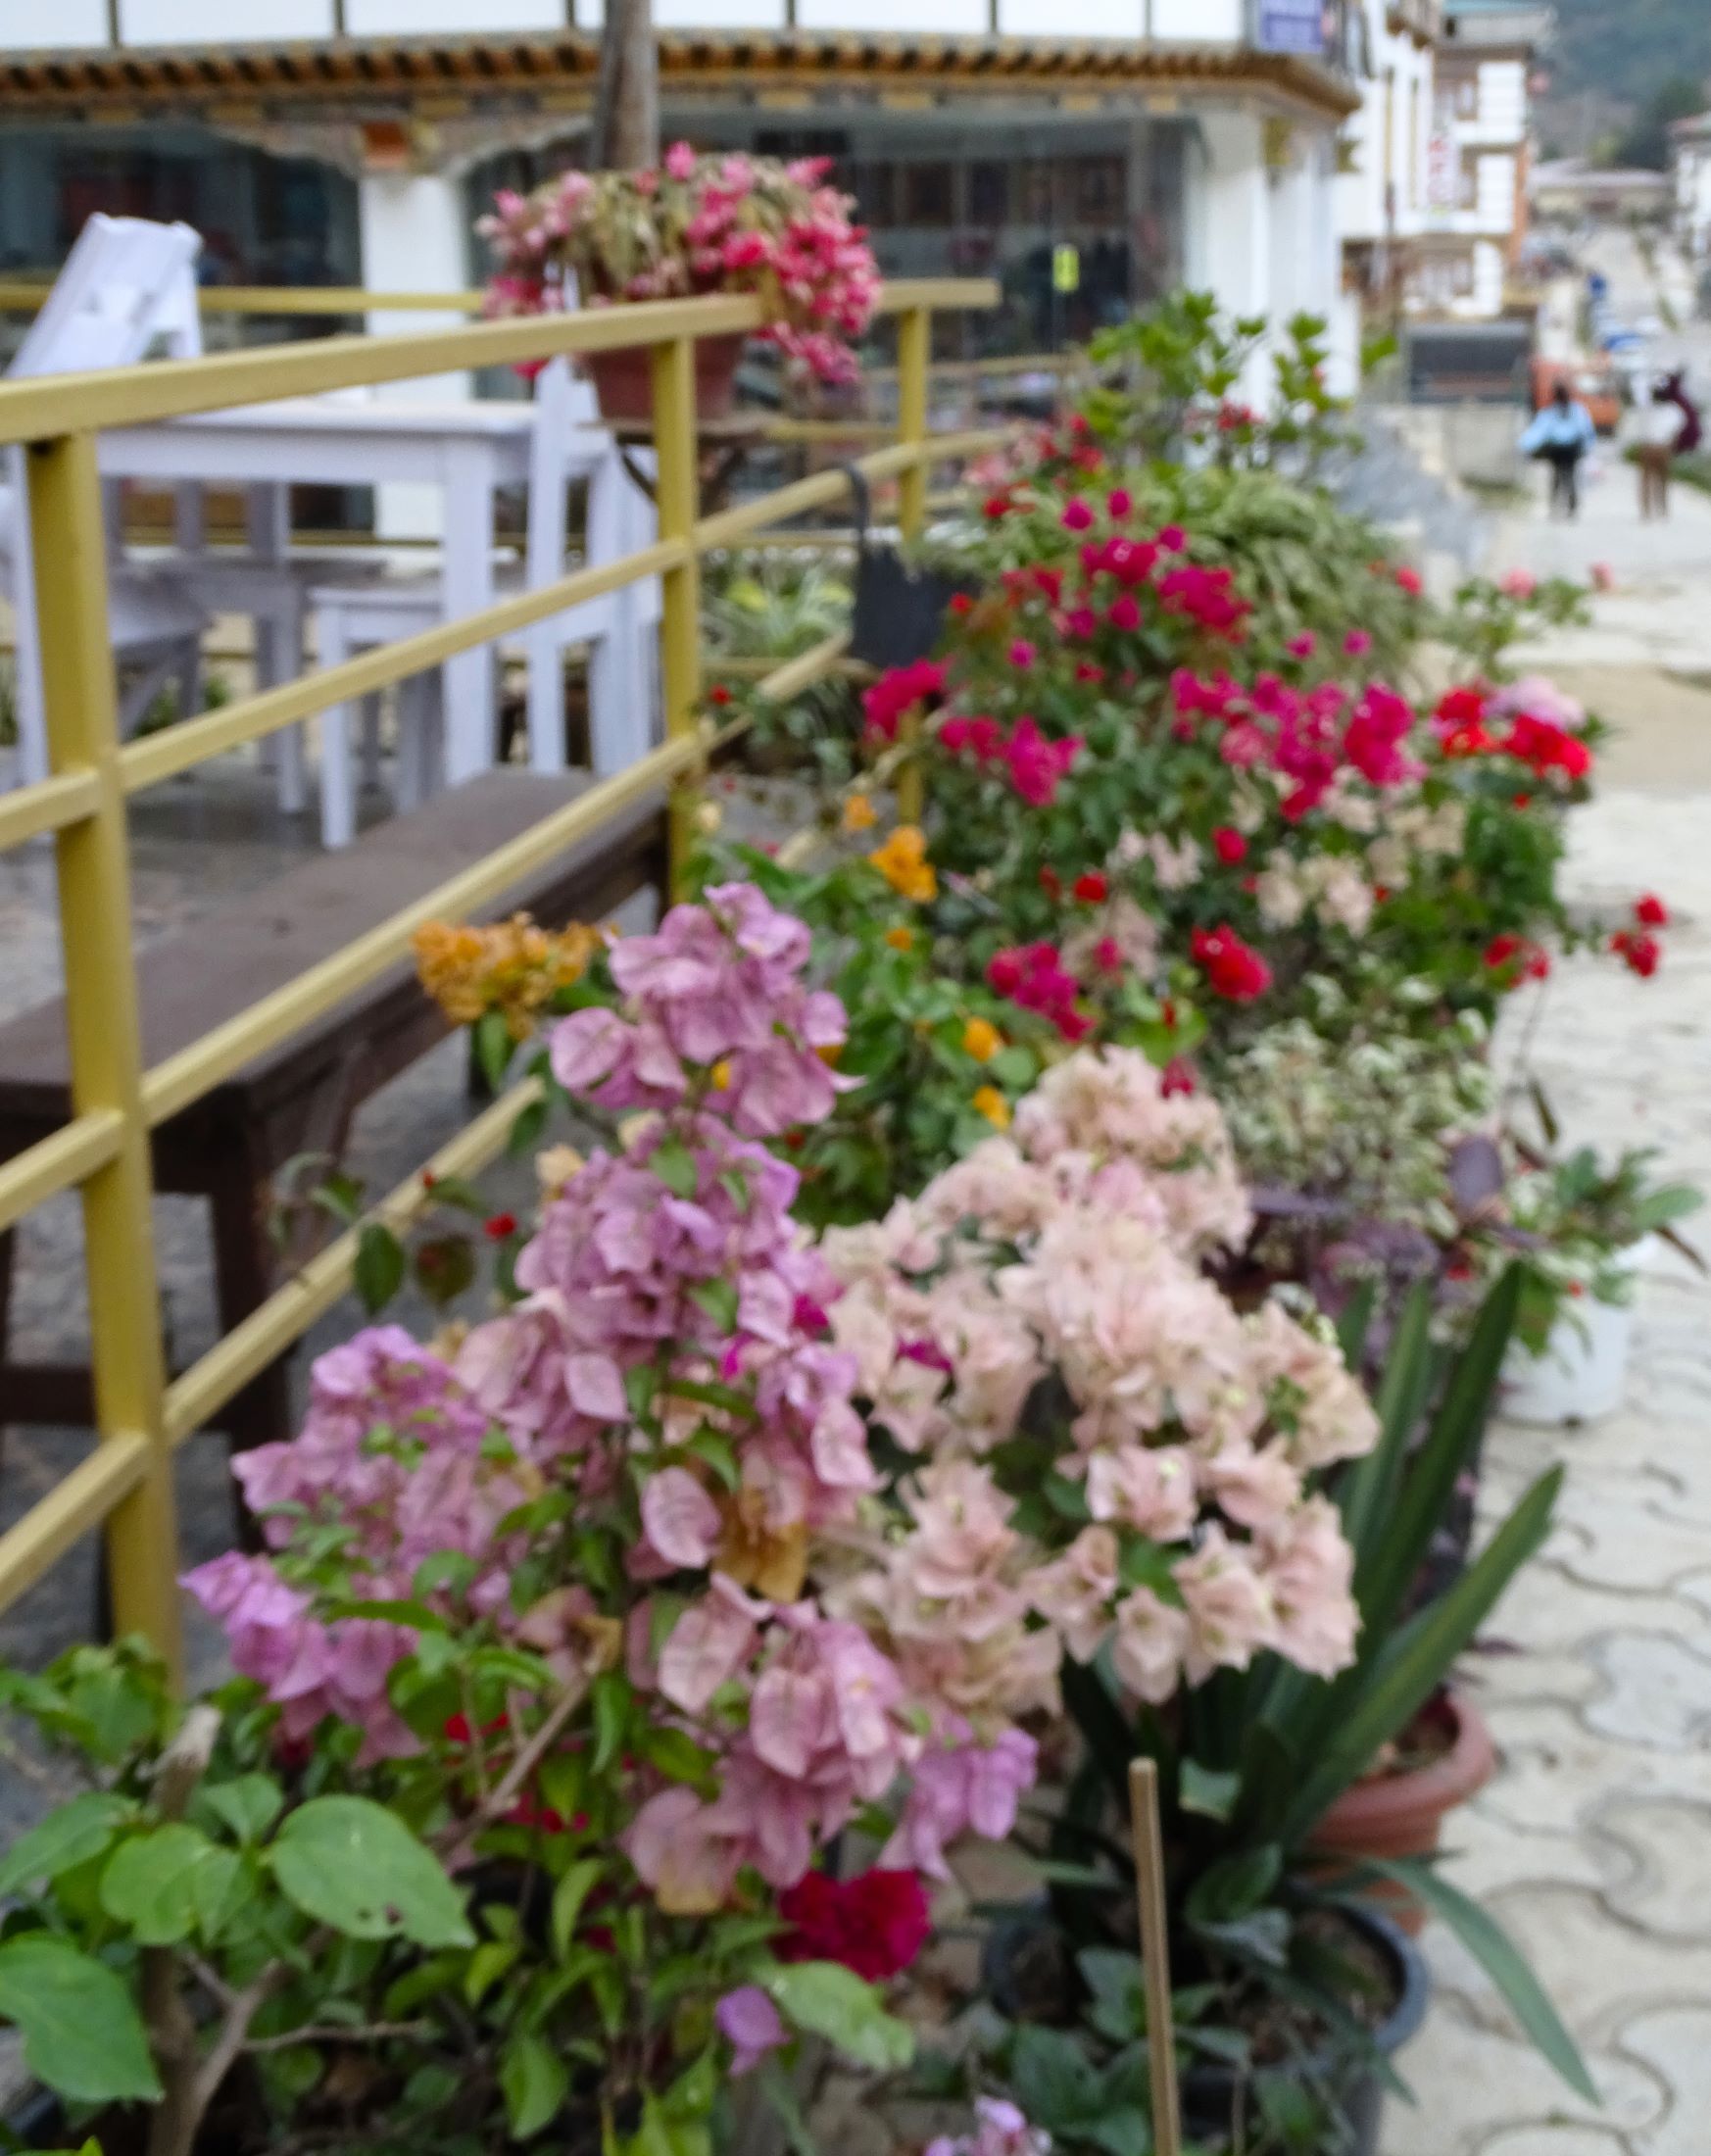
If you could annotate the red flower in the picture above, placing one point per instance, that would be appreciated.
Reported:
(875, 1925)
(900, 691)
(1650, 911)
(961, 602)
(1124, 612)
(1022, 655)
(1229, 845)
(1358, 643)
(1234, 969)
(1178, 1077)
(1091, 887)
(1077, 516)
(1410, 580)
(1119, 502)
(1517, 957)
(499, 1227)
(1050, 882)
(1003, 973)
(1086, 670)
(1173, 539)
(1545, 747)
(996, 505)
(1641, 953)
(1107, 955)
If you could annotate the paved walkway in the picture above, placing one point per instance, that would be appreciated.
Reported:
(1594, 1844)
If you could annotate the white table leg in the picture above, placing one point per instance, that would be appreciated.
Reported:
(338, 800)
(470, 486)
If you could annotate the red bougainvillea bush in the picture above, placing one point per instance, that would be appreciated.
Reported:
(1151, 815)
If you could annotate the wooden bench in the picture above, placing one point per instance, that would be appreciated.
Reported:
(301, 1095)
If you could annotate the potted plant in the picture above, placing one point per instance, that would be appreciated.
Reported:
(726, 222)
(1184, 1501)
(1589, 1229)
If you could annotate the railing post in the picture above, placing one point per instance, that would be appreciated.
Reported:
(915, 345)
(677, 491)
(104, 1035)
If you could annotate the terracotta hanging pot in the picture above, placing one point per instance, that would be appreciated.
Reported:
(624, 381)
(1400, 1811)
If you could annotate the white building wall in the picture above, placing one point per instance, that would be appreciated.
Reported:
(1503, 107)
(402, 18)
(25, 25)
(221, 22)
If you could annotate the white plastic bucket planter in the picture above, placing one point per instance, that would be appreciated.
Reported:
(1583, 1373)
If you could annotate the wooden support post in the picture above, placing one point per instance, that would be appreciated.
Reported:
(1155, 1954)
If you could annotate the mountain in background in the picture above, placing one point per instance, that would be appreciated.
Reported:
(1613, 57)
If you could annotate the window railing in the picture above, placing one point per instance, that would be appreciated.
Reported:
(125, 1485)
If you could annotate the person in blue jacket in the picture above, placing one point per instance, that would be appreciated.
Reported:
(1562, 433)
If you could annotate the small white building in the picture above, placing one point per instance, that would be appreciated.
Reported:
(1478, 154)
(1690, 174)
(1381, 185)
(354, 141)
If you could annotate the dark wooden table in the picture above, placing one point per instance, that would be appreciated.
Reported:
(301, 1095)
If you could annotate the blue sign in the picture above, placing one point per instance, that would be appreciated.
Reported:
(1292, 25)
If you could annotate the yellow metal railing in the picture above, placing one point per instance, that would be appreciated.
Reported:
(117, 1101)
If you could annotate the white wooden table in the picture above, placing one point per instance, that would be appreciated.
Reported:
(468, 450)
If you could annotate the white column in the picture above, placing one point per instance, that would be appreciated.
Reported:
(415, 239)
(1232, 230)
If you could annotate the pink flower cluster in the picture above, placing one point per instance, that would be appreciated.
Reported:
(1311, 738)
(726, 222)
(1000, 2130)
(1068, 1252)
(1035, 976)
(902, 690)
(668, 1370)
(1036, 766)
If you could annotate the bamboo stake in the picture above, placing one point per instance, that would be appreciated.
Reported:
(1155, 1954)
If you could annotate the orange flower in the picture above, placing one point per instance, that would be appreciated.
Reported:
(903, 861)
(900, 939)
(982, 1039)
(511, 966)
(991, 1102)
(859, 814)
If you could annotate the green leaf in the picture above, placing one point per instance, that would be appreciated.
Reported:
(353, 1864)
(1235, 1886)
(568, 1896)
(378, 1273)
(822, 1998)
(1497, 1954)
(82, 2033)
(612, 1712)
(492, 1959)
(718, 1299)
(535, 2083)
(1052, 2078)
(248, 1804)
(65, 1839)
(674, 1164)
(1202, 1789)
(493, 1048)
(151, 1883)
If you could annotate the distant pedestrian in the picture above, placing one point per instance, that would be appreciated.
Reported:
(1675, 387)
(1657, 432)
(1561, 434)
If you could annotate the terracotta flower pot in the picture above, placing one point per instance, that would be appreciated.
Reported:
(1401, 1813)
(624, 381)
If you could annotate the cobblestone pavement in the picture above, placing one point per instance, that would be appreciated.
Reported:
(1592, 1846)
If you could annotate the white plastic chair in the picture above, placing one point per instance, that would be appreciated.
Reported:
(127, 287)
(567, 443)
